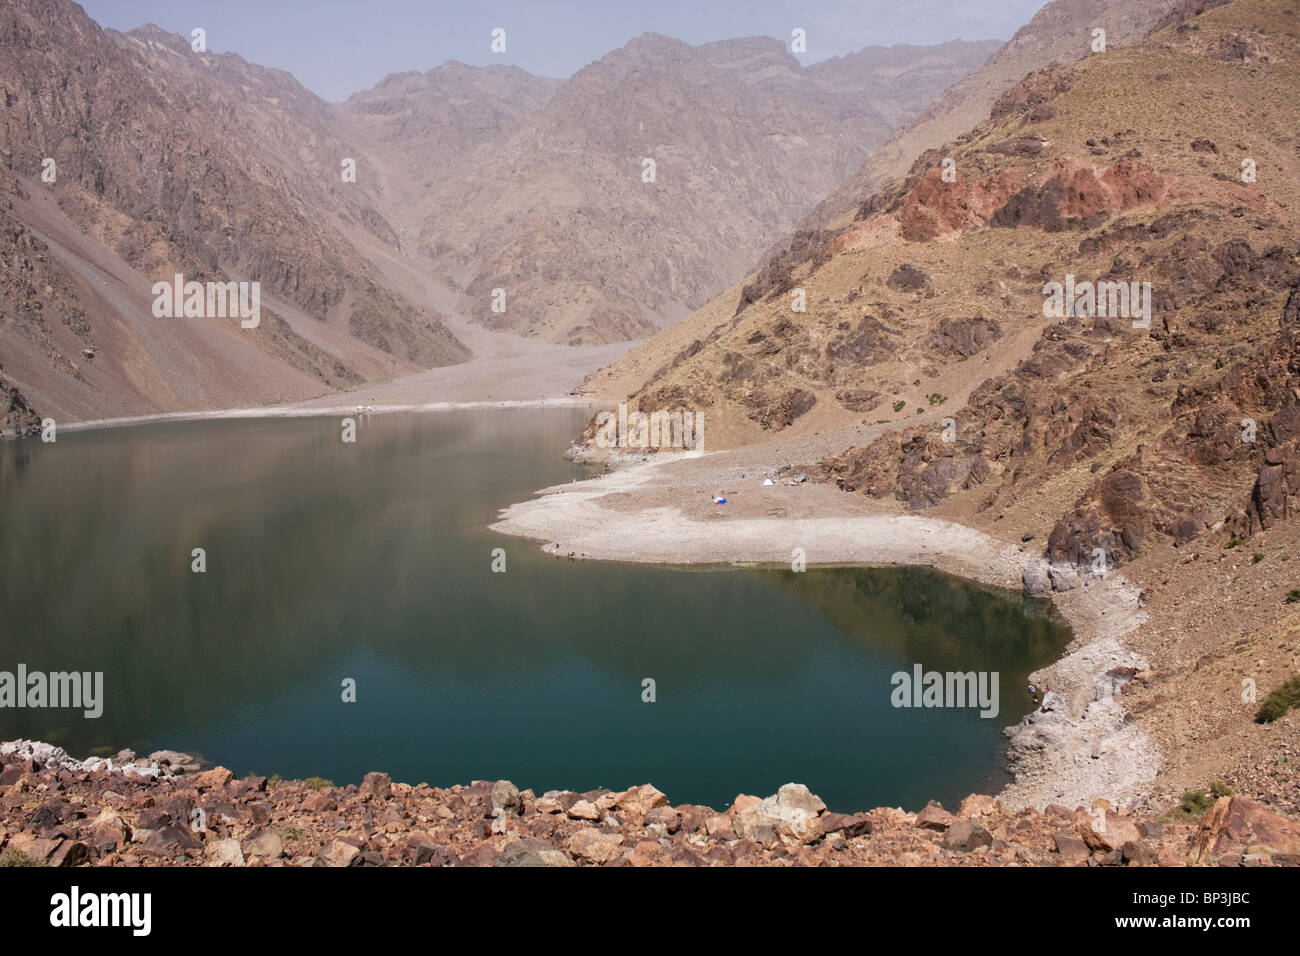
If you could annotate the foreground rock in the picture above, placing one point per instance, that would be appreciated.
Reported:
(56, 811)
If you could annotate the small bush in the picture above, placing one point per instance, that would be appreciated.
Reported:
(1233, 542)
(936, 399)
(1196, 802)
(1278, 702)
(1293, 596)
(318, 783)
(898, 405)
(13, 857)
(1256, 558)
(274, 781)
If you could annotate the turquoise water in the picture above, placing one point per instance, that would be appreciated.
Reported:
(371, 561)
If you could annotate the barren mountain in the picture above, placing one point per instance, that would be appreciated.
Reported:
(564, 215)
(169, 161)
(166, 161)
(432, 123)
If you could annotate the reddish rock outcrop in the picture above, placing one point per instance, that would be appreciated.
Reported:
(55, 811)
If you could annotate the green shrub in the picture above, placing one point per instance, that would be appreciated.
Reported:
(1196, 802)
(1256, 558)
(13, 857)
(898, 405)
(318, 783)
(1293, 595)
(1278, 702)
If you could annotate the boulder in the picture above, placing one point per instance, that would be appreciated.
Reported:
(213, 779)
(506, 798)
(850, 825)
(744, 801)
(225, 852)
(1108, 831)
(978, 805)
(790, 817)
(797, 796)
(1063, 577)
(594, 846)
(530, 852)
(339, 852)
(668, 817)
(1236, 826)
(1033, 575)
(641, 799)
(965, 836)
(584, 810)
(171, 840)
(934, 817)
(264, 844)
(483, 855)
(1137, 853)
(36, 849)
(1070, 847)
(172, 762)
(552, 801)
(376, 786)
(318, 803)
(717, 824)
(69, 853)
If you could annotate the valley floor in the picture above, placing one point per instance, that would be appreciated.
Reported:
(505, 370)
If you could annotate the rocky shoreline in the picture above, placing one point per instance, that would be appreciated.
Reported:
(163, 810)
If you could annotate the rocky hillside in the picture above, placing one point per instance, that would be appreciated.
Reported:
(1061, 32)
(161, 811)
(927, 312)
(164, 161)
(552, 200)
(432, 123)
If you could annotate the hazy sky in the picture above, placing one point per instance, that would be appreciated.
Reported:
(337, 47)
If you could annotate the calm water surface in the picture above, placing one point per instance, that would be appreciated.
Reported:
(372, 561)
